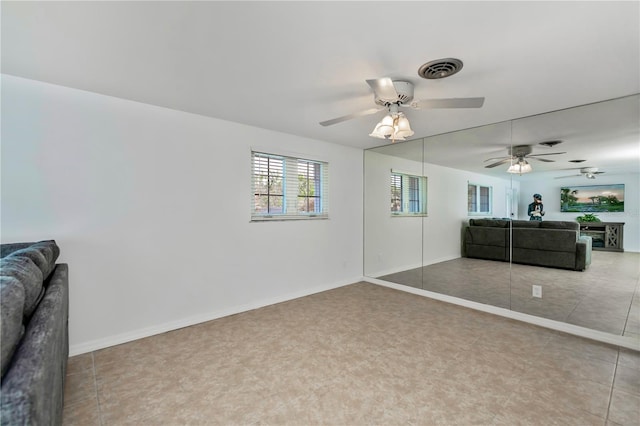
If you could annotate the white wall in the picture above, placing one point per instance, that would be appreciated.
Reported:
(550, 191)
(151, 209)
(395, 244)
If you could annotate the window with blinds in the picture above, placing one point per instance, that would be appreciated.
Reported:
(479, 199)
(408, 194)
(288, 188)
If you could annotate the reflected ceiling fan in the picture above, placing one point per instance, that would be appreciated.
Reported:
(588, 172)
(393, 95)
(517, 157)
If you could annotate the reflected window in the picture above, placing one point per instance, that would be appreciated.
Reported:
(479, 199)
(408, 194)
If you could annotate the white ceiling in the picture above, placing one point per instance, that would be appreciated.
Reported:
(286, 66)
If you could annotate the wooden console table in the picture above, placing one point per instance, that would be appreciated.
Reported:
(604, 235)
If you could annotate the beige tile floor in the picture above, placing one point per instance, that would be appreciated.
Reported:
(605, 297)
(357, 355)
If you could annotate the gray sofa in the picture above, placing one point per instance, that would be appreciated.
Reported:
(554, 244)
(35, 340)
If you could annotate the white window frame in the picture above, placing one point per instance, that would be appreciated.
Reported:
(407, 202)
(478, 211)
(293, 191)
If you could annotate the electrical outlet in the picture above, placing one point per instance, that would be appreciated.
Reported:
(537, 291)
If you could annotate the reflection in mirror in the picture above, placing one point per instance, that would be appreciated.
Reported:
(577, 273)
(395, 200)
(605, 295)
(456, 197)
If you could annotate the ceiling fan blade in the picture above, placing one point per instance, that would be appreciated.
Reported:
(506, 160)
(383, 87)
(550, 153)
(562, 177)
(528, 157)
(448, 103)
(350, 116)
(497, 158)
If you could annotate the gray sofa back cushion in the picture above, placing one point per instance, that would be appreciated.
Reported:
(487, 236)
(8, 248)
(44, 254)
(556, 224)
(494, 223)
(11, 313)
(24, 270)
(526, 224)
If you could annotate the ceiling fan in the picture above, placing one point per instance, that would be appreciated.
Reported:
(518, 155)
(394, 94)
(588, 172)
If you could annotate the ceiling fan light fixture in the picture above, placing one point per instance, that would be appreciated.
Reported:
(384, 129)
(394, 126)
(521, 167)
(403, 128)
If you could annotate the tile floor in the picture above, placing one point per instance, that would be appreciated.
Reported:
(605, 297)
(357, 355)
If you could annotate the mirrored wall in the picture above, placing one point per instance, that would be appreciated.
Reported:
(423, 196)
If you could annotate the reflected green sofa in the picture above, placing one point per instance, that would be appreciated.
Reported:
(555, 244)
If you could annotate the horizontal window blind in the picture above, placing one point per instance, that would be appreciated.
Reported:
(288, 188)
(408, 194)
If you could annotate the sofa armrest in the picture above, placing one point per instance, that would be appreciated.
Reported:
(33, 388)
(583, 253)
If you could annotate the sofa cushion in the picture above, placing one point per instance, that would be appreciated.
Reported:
(526, 223)
(12, 299)
(8, 248)
(557, 224)
(43, 253)
(32, 389)
(24, 270)
(556, 259)
(494, 223)
(487, 236)
(552, 240)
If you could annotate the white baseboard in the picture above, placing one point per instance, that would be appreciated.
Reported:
(118, 339)
(588, 333)
(390, 271)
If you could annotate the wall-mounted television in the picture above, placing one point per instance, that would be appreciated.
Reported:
(592, 198)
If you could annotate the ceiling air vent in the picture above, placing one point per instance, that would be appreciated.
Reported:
(440, 68)
(550, 143)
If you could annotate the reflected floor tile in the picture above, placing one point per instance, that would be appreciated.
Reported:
(625, 408)
(627, 379)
